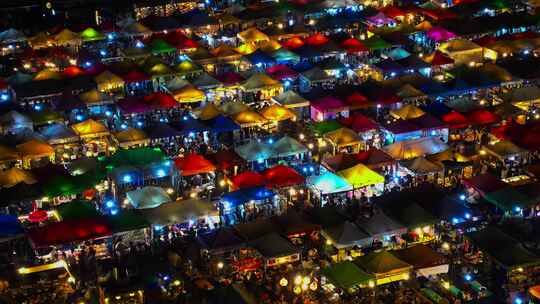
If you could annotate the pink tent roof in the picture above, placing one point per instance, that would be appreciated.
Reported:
(134, 105)
(439, 34)
(281, 71)
(380, 19)
(327, 103)
(230, 78)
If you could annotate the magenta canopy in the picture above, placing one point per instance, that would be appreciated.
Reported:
(438, 34)
(328, 103)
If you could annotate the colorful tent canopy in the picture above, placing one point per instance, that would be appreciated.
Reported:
(189, 93)
(221, 124)
(35, 149)
(90, 128)
(353, 46)
(278, 113)
(439, 34)
(193, 164)
(91, 34)
(134, 157)
(415, 148)
(291, 99)
(224, 159)
(282, 176)
(287, 146)
(206, 82)
(285, 56)
(282, 72)
(131, 136)
(107, 81)
(147, 197)
(127, 220)
(347, 275)
(252, 35)
(343, 137)
(323, 127)
(160, 100)
(420, 166)
(254, 151)
(10, 226)
(328, 103)
(207, 112)
(382, 264)
(160, 46)
(260, 81)
(359, 123)
(67, 37)
(249, 118)
(8, 154)
(481, 117)
(361, 176)
(407, 112)
(221, 239)
(65, 232)
(15, 176)
(329, 183)
(508, 199)
(76, 210)
(242, 196)
(346, 235)
(438, 58)
(248, 179)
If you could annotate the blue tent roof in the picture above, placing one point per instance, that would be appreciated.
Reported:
(10, 226)
(222, 124)
(190, 125)
(259, 57)
(243, 196)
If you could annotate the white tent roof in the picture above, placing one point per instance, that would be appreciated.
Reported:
(148, 197)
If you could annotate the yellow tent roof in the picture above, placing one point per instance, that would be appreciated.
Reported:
(8, 154)
(415, 148)
(361, 176)
(67, 37)
(224, 51)
(278, 113)
(189, 93)
(407, 112)
(14, 176)
(93, 97)
(160, 69)
(35, 148)
(343, 137)
(89, 127)
(187, 66)
(107, 78)
(130, 135)
(423, 26)
(249, 117)
(252, 35)
(40, 40)
(409, 91)
(260, 81)
(269, 46)
(48, 74)
(208, 112)
(246, 48)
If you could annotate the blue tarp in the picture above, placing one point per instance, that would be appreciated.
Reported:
(242, 196)
(222, 124)
(10, 226)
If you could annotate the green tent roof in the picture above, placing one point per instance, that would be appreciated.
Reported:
(380, 262)
(76, 210)
(134, 157)
(324, 127)
(509, 198)
(159, 46)
(346, 275)
(91, 34)
(376, 43)
(504, 249)
(127, 220)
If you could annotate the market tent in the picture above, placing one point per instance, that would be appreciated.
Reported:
(252, 35)
(291, 99)
(91, 34)
(484, 183)
(347, 276)
(359, 123)
(8, 154)
(438, 58)
(47, 74)
(462, 51)
(208, 111)
(90, 128)
(133, 105)
(339, 161)
(343, 137)
(107, 81)
(221, 124)
(160, 46)
(76, 210)
(95, 97)
(136, 29)
(504, 149)
(282, 72)
(439, 34)
(523, 97)
(67, 37)
(131, 137)
(206, 82)
(15, 176)
(288, 146)
(233, 108)
(249, 118)
(246, 48)
(40, 40)
(293, 224)
(380, 225)
(415, 148)
(13, 121)
(481, 117)
(188, 67)
(126, 220)
(509, 199)
(425, 260)
(385, 266)
(10, 227)
(374, 158)
(254, 151)
(329, 183)
(273, 247)
(248, 179)
(235, 198)
(361, 176)
(281, 176)
(407, 91)
(255, 229)
(161, 131)
(221, 239)
(68, 231)
(193, 164)
(345, 235)
(284, 56)
(224, 159)
(277, 113)
(260, 81)
(134, 157)
(189, 93)
(455, 119)
(160, 100)
(11, 35)
(189, 125)
(353, 46)
(407, 112)
(323, 127)
(180, 212)
(35, 149)
(420, 166)
(147, 197)
(375, 43)
(511, 256)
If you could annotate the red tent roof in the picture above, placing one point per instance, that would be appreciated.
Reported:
(356, 100)
(135, 76)
(282, 176)
(187, 44)
(161, 100)
(392, 11)
(69, 231)
(3, 84)
(353, 45)
(455, 119)
(281, 71)
(482, 117)
(73, 71)
(438, 14)
(230, 78)
(248, 179)
(327, 103)
(193, 164)
(134, 105)
(373, 157)
(317, 39)
(359, 123)
(485, 183)
(440, 59)
(224, 159)
(486, 41)
(293, 43)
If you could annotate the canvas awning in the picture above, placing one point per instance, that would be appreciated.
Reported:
(248, 179)
(278, 113)
(420, 166)
(59, 233)
(346, 275)
(361, 176)
(35, 149)
(343, 137)
(147, 197)
(287, 146)
(189, 93)
(108, 81)
(384, 265)
(425, 260)
(90, 128)
(249, 118)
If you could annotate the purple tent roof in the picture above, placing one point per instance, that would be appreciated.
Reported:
(328, 103)
(439, 34)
